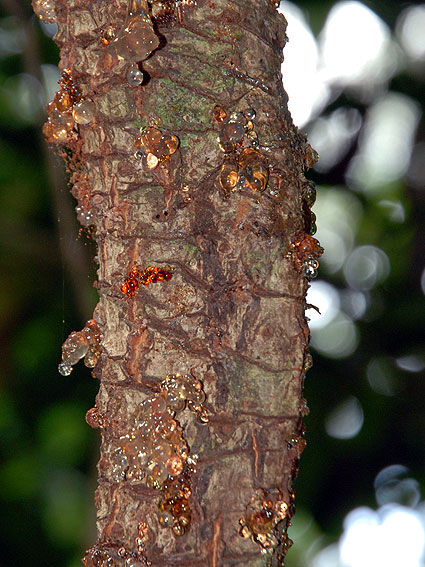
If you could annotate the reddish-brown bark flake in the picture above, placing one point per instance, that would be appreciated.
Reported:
(223, 199)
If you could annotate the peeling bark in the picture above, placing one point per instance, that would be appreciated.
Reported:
(232, 315)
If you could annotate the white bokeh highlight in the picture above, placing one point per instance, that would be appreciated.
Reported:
(392, 536)
(346, 420)
(306, 91)
(356, 47)
(325, 298)
(331, 136)
(366, 266)
(411, 31)
(338, 339)
(339, 213)
(386, 142)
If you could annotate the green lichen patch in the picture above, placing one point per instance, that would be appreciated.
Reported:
(173, 106)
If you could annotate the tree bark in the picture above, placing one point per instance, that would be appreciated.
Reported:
(232, 316)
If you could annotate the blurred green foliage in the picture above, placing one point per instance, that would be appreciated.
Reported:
(48, 454)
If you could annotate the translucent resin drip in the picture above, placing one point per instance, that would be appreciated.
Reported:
(265, 510)
(81, 344)
(137, 38)
(154, 451)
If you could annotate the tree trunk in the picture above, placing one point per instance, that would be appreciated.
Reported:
(227, 211)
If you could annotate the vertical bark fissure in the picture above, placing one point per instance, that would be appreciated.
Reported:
(232, 316)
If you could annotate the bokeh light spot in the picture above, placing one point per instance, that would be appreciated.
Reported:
(325, 297)
(307, 93)
(12, 37)
(354, 303)
(411, 363)
(346, 420)
(392, 536)
(366, 267)
(385, 144)
(339, 339)
(356, 46)
(381, 377)
(49, 29)
(339, 213)
(395, 210)
(66, 503)
(410, 29)
(25, 98)
(391, 487)
(331, 136)
(63, 435)
(327, 557)
(51, 76)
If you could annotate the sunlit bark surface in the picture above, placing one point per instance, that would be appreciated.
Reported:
(232, 315)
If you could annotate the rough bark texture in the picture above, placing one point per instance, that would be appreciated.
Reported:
(233, 313)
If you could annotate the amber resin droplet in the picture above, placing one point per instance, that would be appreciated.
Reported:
(232, 133)
(154, 141)
(94, 418)
(310, 194)
(83, 112)
(158, 147)
(174, 466)
(134, 76)
(137, 277)
(298, 443)
(107, 35)
(137, 39)
(63, 100)
(311, 157)
(56, 116)
(96, 557)
(254, 169)
(305, 253)
(45, 10)
(155, 453)
(151, 161)
(219, 114)
(81, 344)
(265, 510)
(310, 267)
(59, 127)
(172, 143)
(229, 176)
(58, 133)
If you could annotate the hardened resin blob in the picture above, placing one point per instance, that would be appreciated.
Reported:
(83, 112)
(265, 510)
(81, 344)
(137, 38)
(134, 76)
(155, 453)
(45, 10)
(151, 274)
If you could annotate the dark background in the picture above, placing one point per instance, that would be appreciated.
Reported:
(366, 389)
